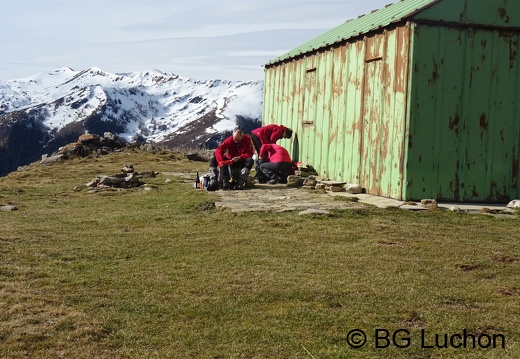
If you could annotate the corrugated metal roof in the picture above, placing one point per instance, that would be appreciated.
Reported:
(376, 19)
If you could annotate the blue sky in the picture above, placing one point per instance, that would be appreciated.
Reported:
(201, 39)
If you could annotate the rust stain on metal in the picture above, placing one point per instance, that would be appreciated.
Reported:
(383, 152)
(483, 125)
(463, 14)
(513, 45)
(457, 185)
(400, 62)
(502, 12)
(454, 123)
(332, 138)
(435, 73)
(514, 170)
(474, 192)
(337, 87)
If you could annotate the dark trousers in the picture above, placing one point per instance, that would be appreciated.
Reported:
(256, 143)
(231, 172)
(272, 169)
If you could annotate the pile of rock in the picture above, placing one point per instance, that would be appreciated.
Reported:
(127, 179)
(305, 170)
(306, 177)
(86, 145)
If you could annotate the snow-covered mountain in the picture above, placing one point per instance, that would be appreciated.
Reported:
(40, 113)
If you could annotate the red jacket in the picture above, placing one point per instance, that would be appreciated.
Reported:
(229, 149)
(269, 133)
(275, 153)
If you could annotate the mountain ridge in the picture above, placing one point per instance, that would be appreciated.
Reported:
(40, 113)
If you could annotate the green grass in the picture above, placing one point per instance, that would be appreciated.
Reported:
(163, 274)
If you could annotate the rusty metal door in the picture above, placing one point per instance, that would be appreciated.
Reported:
(372, 130)
(309, 113)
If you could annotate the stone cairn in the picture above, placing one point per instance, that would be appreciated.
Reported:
(306, 176)
(86, 145)
(129, 178)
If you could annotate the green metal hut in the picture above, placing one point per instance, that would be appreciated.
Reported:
(420, 99)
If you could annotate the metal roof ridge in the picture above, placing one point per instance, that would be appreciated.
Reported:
(376, 19)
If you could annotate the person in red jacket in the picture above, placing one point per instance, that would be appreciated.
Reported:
(234, 160)
(269, 134)
(275, 164)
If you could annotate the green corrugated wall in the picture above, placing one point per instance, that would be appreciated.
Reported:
(321, 97)
(464, 115)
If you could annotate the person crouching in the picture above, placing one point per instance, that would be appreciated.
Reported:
(275, 164)
(234, 160)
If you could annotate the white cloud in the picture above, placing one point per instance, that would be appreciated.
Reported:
(204, 39)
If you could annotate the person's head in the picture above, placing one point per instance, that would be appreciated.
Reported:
(287, 133)
(237, 135)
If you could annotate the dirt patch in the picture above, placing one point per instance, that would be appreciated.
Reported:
(509, 292)
(506, 259)
(470, 267)
(280, 198)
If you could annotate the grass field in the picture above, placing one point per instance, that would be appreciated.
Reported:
(163, 274)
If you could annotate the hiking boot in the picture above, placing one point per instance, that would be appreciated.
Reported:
(212, 186)
(227, 185)
(240, 184)
(274, 180)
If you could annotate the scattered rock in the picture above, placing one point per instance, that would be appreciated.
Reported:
(127, 168)
(294, 181)
(335, 188)
(86, 145)
(320, 186)
(202, 156)
(514, 204)
(488, 210)
(409, 203)
(312, 212)
(305, 170)
(353, 188)
(309, 182)
(88, 138)
(48, 160)
(429, 203)
(8, 208)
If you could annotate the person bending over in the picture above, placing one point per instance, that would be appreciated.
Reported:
(275, 164)
(269, 134)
